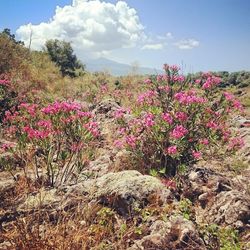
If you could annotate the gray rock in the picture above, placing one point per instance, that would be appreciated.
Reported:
(229, 208)
(124, 191)
(177, 233)
(106, 107)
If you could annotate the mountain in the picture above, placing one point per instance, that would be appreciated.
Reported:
(115, 68)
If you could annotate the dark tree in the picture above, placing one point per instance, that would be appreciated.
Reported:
(63, 55)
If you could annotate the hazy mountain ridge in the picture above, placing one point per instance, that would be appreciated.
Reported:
(116, 68)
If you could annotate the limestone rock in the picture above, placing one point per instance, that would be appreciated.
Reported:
(124, 191)
(229, 208)
(177, 233)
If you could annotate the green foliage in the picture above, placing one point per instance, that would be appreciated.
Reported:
(223, 238)
(62, 54)
(185, 208)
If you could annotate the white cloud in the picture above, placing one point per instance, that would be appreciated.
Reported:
(169, 35)
(187, 44)
(155, 46)
(92, 27)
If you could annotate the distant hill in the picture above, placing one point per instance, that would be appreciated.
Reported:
(115, 68)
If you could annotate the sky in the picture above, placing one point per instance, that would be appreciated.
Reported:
(199, 35)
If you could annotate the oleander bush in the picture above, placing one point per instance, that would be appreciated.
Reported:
(178, 121)
(58, 137)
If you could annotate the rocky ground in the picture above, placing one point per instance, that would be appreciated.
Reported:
(213, 198)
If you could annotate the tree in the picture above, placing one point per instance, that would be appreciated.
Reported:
(11, 37)
(63, 55)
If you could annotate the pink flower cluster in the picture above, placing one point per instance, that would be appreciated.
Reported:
(64, 106)
(164, 88)
(131, 140)
(161, 78)
(44, 124)
(178, 78)
(119, 113)
(93, 128)
(8, 116)
(189, 97)
(174, 68)
(167, 118)
(236, 143)
(204, 141)
(231, 98)
(35, 133)
(196, 154)
(178, 132)
(147, 97)
(148, 120)
(172, 150)
(212, 125)
(30, 108)
(181, 116)
(211, 81)
(4, 82)
(6, 146)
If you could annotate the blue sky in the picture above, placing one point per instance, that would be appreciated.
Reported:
(199, 34)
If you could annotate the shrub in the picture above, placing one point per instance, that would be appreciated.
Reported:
(178, 121)
(58, 137)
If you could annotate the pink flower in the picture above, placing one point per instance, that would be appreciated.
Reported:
(30, 108)
(237, 105)
(36, 134)
(164, 88)
(93, 128)
(196, 154)
(119, 113)
(147, 97)
(45, 124)
(6, 146)
(167, 118)
(148, 120)
(212, 125)
(236, 143)
(204, 141)
(181, 116)
(210, 82)
(178, 78)
(172, 150)
(84, 114)
(228, 96)
(4, 82)
(131, 140)
(188, 98)
(197, 81)
(178, 132)
(174, 68)
(159, 78)
(65, 106)
(147, 81)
